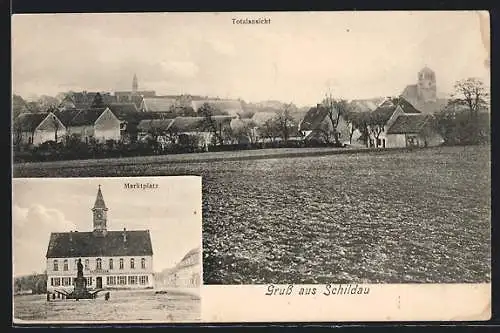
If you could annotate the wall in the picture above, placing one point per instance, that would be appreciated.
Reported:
(107, 127)
(91, 271)
(85, 132)
(395, 140)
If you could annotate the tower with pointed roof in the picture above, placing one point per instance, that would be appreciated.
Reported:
(135, 85)
(99, 213)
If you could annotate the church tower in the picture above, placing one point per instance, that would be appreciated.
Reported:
(135, 85)
(426, 85)
(99, 213)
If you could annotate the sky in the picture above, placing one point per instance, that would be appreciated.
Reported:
(297, 58)
(45, 205)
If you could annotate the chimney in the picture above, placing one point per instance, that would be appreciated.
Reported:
(124, 234)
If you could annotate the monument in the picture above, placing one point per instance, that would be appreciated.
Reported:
(80, 290)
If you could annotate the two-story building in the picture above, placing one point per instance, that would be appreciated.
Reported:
(111, 259)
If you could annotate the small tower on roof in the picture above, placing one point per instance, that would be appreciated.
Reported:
(135, 84)
(100, 213)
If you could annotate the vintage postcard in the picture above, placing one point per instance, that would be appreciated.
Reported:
(344, 156)
(91, 250)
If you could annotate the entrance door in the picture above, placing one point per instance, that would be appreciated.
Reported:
(98, 282)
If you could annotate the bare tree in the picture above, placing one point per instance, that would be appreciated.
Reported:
(337, 108)
(376, 125)
(269, 129)
(284, 121)
(210, 124)
(472, 94)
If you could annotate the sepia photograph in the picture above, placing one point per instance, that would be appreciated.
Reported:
(345, 151)
(106, 250)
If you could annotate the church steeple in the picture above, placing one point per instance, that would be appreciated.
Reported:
(135, 84)
(100, 213)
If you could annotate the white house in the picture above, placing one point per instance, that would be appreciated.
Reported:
(412, 130)
(37, 128)
(98, 123)
(317, 126)
(384, 116)
(111, 259)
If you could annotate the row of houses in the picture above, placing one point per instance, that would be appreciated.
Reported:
(399, 124)
(148, 101)
(118, 122)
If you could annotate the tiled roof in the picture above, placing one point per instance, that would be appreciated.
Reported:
(198, 124)
(410, 92)
(86, 117)
(147, 125)
(193, 252)
(313, 118)
(145, 93)
(157, 104)
(65, 116)
(365, 105)
(231, 107)
(387, 108)
(28, 122)
(123, 111)
(88, 244)
(408, 123)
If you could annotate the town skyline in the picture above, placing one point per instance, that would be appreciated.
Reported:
(173, 227)
(211, 57)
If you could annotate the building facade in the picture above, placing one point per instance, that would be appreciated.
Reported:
(98, 123)
(187, 273)
(111, 259)
(37, 128)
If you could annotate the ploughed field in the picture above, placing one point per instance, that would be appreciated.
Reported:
(140, 305)
(381, 217)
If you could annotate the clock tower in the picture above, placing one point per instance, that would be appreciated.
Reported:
(100, 213)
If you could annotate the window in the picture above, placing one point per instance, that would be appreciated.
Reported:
(143, 263)
(76, 264)
(132, 264)
(74, 281)
(57, 281)
(56, 266)
(89, 281)
(98, 264)
(86, 264)
(65, 265)
(110, 263)
(121, 263)
(143, 279)
(132, 279)
(66, 281)
(111, 280)
(122, 280)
